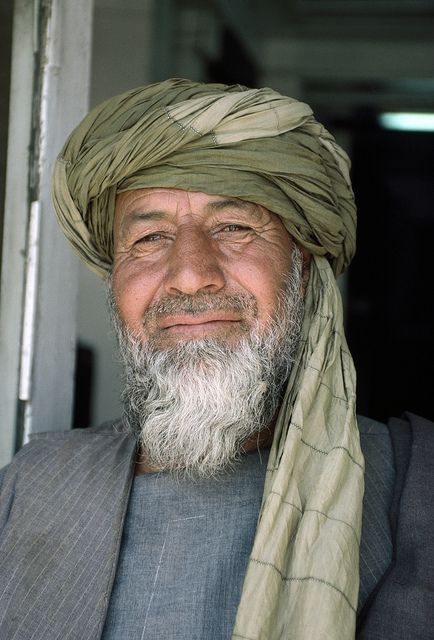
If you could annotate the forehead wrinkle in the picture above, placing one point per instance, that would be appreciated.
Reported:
(235, 203)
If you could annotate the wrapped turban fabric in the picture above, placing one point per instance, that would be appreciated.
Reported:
(256, 145)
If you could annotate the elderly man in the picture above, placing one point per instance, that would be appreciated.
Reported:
(228, 500)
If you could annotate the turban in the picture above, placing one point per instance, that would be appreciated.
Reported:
(302, 577)
(254, 144)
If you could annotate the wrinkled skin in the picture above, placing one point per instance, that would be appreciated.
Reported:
(170, 242)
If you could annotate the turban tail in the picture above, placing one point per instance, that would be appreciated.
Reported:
(302, 577)
(253, 144)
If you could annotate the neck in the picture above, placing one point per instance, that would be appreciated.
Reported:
(262, 440)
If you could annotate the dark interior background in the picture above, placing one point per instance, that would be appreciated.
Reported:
(390, 317)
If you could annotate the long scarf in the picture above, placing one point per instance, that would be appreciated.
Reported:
(303, 575)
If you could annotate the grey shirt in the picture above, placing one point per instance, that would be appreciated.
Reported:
(184, 553)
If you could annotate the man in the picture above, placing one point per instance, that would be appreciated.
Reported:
(228, 501)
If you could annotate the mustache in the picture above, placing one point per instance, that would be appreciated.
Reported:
(198, 303)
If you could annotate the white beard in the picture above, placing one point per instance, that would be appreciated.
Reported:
(193, 405)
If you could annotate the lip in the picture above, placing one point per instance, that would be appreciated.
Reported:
(199, 322)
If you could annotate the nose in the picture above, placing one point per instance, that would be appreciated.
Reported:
(193, 265)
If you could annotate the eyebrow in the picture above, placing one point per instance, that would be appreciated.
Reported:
(234, 203)
(228, 202)
(139, 216)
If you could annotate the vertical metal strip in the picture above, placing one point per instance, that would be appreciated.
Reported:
(30, 299)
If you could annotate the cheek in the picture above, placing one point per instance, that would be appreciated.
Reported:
(265, 278)
(133, 290)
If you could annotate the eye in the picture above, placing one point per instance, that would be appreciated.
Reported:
(150, 237)
(232, 228)
(150, 242)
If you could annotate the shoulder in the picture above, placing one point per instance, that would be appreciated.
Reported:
(376, 443)
(411, 425)
(65, 458)
(376, 541)
(409, 436)
(51, 442)
(368, 426)
(109, 428)
(402, 593)
(47, 440)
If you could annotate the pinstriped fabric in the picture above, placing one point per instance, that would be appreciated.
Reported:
(376, 542)
(404, 603)
(59, 546)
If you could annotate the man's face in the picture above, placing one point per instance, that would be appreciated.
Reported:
(206, 299)
(173, 245)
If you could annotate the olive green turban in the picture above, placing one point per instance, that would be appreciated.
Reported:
(253, 144)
